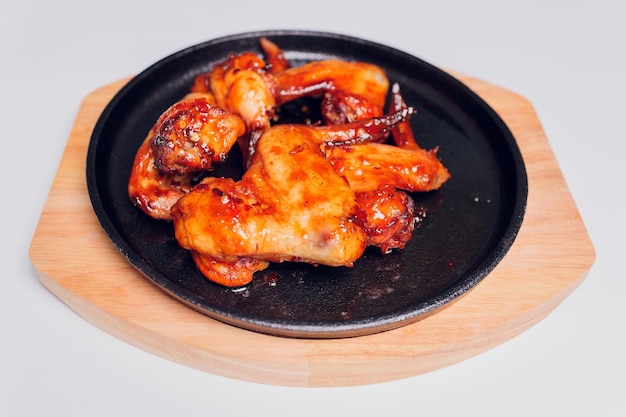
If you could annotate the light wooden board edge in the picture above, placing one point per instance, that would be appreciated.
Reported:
(551, 256)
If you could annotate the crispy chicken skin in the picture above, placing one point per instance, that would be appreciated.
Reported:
(350, 91)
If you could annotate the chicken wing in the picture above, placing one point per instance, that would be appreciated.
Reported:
(290, 205)
(316, 78)
(193, 134)
(188, 138)
(247, 85)
(369, 166)
(350, 91)
(241, 85)
(376, 172)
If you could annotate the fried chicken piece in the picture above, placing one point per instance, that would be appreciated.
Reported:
(370, 166)
(290, 205)
(387, 215)
(359, 79)
(350, 91)
(375, 172)
(193, 134)
(152, 190)
(241, 85)
(252, 88)
(188, 138)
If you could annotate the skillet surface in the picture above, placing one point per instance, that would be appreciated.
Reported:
(465, 230)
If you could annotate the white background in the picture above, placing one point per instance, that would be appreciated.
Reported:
(567, 58)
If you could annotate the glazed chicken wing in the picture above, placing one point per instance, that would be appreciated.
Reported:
(290, 205)
(241, 85)
(359, 79)
(405, 165)
(193, 134)
(247, 85)
(188, 138)
(368, 166)
(350, 91)
(376, 172)
(152, 190)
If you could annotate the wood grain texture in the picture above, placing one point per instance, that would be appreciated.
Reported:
(551, 256)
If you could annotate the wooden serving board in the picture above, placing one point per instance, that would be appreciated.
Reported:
(551, 256)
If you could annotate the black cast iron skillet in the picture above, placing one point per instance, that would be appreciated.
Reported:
(466, 228)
